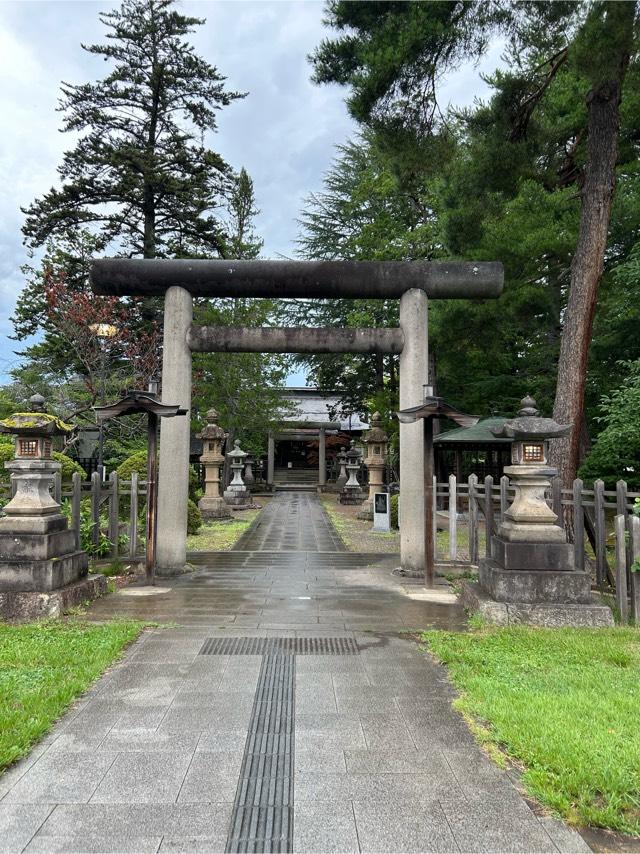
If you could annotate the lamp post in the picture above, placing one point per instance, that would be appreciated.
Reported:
(102, 331)
(433, 407)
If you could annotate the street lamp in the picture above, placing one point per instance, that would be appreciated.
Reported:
(102, 331)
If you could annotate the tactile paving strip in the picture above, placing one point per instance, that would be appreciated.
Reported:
(292, 646)
(262, 818)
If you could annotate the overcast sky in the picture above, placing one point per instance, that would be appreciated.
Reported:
(283, 133)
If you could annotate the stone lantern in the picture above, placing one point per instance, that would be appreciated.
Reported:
(530, 575)
(352, 492)
(42, 570)
(236, 493)
(377, 442)
(212, 505)
(342, 462)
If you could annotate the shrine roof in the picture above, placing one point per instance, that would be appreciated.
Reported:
(479, 434)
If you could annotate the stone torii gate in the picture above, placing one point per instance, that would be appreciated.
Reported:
(181, 280)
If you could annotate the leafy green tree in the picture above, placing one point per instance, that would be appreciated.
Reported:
(242, 242)
(616, 454)
(392, 55)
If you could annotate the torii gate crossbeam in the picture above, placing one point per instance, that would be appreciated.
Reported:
(180, 280)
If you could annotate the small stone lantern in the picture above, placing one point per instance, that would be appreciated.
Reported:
(342, 462)
(236, 493)
(529, 576)
(249, 479)
(377, 442)
(42, 570)
(212, 504)
(351, 492)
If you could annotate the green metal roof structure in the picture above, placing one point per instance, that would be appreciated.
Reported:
(479, 434)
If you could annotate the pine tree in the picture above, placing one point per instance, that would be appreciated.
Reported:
(140, 176)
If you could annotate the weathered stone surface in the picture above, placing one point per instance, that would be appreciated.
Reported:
(533, 556)
(549, 615)
(43, 575)
(511, 585)
(18, 546)
(25, 606)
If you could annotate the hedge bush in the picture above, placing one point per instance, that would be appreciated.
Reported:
(194, 517)
(136, 462)
(394, 510)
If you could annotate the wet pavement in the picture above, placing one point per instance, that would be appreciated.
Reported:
(332, 733)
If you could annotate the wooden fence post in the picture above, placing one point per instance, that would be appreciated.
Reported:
(634, 523)
(621, 568)
(57, 486)
(434, 520)
(453, 518)
(95, 507)
(504, 496)
(76, 497)
(488, 514)
(621, 510)
(601, 532)
(114, 513)
(473, 519)
(578, 525)
(133, 516)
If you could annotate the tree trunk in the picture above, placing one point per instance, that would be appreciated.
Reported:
(603, 102)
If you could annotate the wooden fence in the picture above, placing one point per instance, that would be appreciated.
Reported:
(601, 524)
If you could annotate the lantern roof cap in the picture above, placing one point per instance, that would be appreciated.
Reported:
(38, 422)
(237, 452)
(211, 430)
(530, 425)
(377, 433)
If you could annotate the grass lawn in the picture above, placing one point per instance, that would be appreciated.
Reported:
(562, 703)
(44, 666)
(220, 536)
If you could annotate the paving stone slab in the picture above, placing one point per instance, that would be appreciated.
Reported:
(317, 829)
(385, 828)
(61, 778)
(112, 844)
(173, 820)
(143, 778)
(19, 822)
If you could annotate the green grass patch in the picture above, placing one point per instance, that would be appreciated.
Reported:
(44, 666)
(564, 704)
(220, 536)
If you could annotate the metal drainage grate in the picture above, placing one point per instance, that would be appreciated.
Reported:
(262, 818)
(291, 646)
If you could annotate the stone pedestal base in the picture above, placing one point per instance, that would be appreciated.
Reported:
(213, 508)
(366, 511)
(545, 614)
(237, 498)
(534, 586)
(351, 496)
(533, 556)
(24, 606)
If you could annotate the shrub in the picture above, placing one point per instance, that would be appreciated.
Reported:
(69, 466)
(394, 510)
(103, 546)
(136, 462)
(6, 454)
(194, 518)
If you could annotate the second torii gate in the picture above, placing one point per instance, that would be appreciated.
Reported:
(179, 281)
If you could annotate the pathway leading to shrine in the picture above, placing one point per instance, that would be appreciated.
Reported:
(284, 711)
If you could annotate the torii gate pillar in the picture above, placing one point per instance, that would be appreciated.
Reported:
(173, 476)
(414, 369)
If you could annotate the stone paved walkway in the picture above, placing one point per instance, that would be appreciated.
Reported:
(335, 734)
